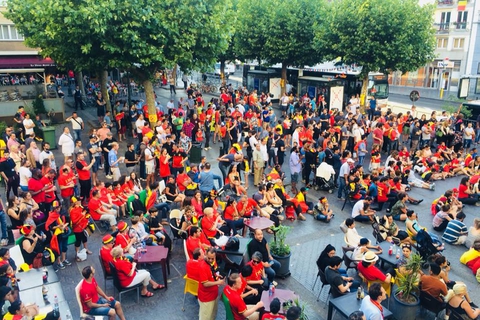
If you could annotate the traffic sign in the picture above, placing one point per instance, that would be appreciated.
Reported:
(414, 95)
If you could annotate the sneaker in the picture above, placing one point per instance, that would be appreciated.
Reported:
(60, 266)
(275, 284)
(206, 149)
(280, 218)
(55, 269)
(108, 176)
(67, 263)
(101, 167)
(301, 217)
(4, 242)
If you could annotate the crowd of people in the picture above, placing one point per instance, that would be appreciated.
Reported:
(48, 199)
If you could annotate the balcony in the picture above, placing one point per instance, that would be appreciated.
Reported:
(442, 28)
(445, 3)
(460, 26)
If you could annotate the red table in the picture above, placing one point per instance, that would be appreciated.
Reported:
(282, 295)
(155, 254)
(261, 223)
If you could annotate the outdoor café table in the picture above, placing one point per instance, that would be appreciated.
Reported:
(237, 256)
(34, 295)
(155, 254)
(282, 294)
(34, 278)
(257, 222)
(347, 304)
(385, 257)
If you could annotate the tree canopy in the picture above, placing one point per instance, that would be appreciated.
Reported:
(378, 34)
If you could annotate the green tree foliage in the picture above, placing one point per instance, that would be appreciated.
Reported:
(379, 35)
(278, 32)
(139, 35)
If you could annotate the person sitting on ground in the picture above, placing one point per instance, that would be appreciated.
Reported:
(322, 211)
(340, 284)
(465, 193)
(441, 218)
(372, 303)
(129, 276)
(362, 212)
(399, 210)
(393, 231)
(301, 200)
(94, 301)
(456, 300)
(456, 231)
(369, 271)
(473, 233)
(171, 191)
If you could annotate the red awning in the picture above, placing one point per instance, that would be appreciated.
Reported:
(25, 62)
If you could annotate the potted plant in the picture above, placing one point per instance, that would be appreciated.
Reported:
(405, 295)
(280, 250)
(296, 303)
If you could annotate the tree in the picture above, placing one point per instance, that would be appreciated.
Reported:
(379, 35)
(139, 35)
(284, 33)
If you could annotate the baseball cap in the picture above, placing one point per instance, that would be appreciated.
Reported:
(303, 189)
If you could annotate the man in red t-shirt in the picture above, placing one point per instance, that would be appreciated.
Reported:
(94, 305)
(197, 239)
(207, 291)
(99, 212)
(66, 182)
(83, 170)
(106, 252)
(37, 189)
(368, 269)
(192, 266)
(47, 181)
(237, 305)
(246, 205)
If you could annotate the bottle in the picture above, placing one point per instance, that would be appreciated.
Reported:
(270, 291)
(56, 307)
(44, 292)
(359, 293)
(398, 253)
(362, 293)
(144, 247)
(45, 275)
(390, 250)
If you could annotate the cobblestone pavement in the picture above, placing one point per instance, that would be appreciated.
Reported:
(307, 240)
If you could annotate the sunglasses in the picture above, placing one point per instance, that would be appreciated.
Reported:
(255, 261)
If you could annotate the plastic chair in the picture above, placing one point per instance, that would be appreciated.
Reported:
(324, 281)
(83, 315)
(16, 255)
(431, 304)
(187, 257)
(228, 309)
(106, 276)
(102, 226)
(191, 286)
(348, 198)
(118, 286)
(129, 205)
(347, 258)
(176, 214)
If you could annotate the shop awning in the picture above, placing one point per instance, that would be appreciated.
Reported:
(25, 62)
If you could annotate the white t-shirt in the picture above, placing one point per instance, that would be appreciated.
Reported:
(467, 133)
(26, 123)
(25, 174)
(357, 208)
(139, 124)
(148, 153)
(76, 123)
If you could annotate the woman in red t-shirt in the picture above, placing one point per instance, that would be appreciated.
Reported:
(164, 169)
(79, 225)
(466, 194)
(232, 216)
(129, 276)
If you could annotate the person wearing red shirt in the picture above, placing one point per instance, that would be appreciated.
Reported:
(246, 206)
(196, 240)
(79, 225)
(207, 290)
(37, 189)
(465, 194)
(106, 252)
(123, 239)
(192, 266)
(83, 170)
(130, 277)
(237, 305)
(66, 182)
(232, 217)
(378, 135)
(94, 300)
(368, 269)
(47, 181)
(99, 212)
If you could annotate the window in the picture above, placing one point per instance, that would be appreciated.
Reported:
(9, 32)
(477, 86)
(462, 19)
(442, 43)
(445, 21)
(458, 43)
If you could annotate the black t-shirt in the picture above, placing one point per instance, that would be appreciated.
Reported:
(8, 167)
(280, 144)
(169, 147)
(172, 188)
(334, 278)
(107, 144)
(130, 156)
(261, 247)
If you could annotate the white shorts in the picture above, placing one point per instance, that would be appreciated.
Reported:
(149, 168)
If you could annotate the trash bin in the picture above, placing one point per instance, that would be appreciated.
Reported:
(195, 153)
(49, 136)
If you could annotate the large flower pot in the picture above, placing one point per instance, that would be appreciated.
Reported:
(404, 310)
(284, 270)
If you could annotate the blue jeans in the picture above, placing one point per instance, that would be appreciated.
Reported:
(219, 179)
(163, 208)
(76, 134)
(102, 311)
(341, 186)
(270, 271)
(3, 224)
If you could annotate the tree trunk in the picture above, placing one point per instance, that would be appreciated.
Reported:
(222, 72)
(103, 84)
(363, 93)
(174, 74)
(79, 80)
(283, 87)
(150, 99)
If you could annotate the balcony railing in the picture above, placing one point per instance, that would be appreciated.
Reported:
(443, 27)
(445, 2)
(460, 25)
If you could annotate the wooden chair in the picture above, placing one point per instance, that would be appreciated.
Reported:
(118, 286)
(83, 315)
(191, 286)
